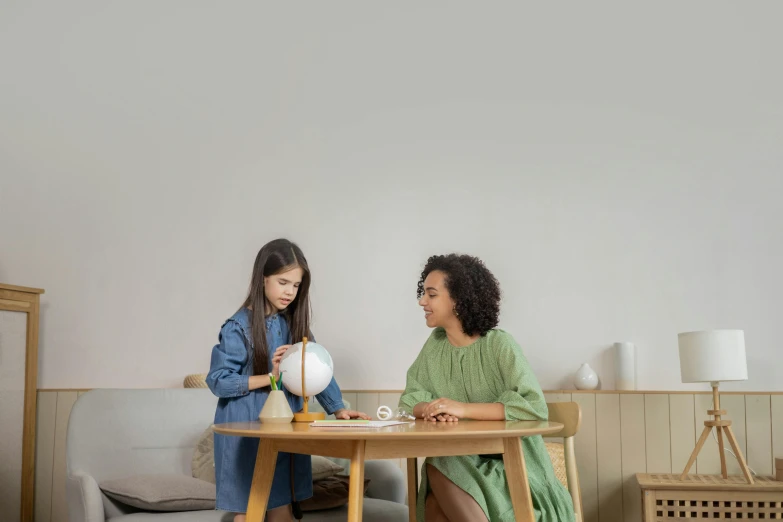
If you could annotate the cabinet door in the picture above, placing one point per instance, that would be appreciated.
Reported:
(13, 342)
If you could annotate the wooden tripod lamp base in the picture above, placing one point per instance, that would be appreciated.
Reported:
(305, 415)
(722, 427)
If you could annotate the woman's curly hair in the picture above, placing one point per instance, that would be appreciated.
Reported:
(475, 291)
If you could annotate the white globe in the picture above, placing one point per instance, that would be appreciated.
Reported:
(318, 369)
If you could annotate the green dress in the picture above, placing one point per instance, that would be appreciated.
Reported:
(492, 369)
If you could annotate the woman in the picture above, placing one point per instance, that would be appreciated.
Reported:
(468, 369)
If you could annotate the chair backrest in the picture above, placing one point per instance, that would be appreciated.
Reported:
(116, 433)
(570, 416)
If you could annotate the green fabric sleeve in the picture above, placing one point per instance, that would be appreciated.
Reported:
(415, 392)
(521, 395)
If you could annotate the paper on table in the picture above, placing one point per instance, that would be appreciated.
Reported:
(354, 424)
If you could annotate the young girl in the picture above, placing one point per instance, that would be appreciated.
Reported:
(470, 370)
(275, 314)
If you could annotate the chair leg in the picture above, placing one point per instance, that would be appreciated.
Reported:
(572, 476)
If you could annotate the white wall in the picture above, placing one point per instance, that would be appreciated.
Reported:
(618, 167)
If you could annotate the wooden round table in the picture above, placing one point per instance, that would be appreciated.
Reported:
(409, 441)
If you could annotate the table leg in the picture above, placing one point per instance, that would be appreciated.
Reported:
(413, 488)
(516, 476)
(356, 487)
(264, 472)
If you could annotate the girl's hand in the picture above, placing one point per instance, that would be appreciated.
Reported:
(277, 357)
(441, 407)
(342, 413)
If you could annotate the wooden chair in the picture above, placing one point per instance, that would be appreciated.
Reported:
(562, 454)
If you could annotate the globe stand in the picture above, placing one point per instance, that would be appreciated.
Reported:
(305, 415)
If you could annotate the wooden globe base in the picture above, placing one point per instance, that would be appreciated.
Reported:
(309, 417)
(305, 415)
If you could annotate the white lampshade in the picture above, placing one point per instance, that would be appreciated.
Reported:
(713, 356)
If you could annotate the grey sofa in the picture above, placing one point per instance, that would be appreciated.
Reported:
(119, 433)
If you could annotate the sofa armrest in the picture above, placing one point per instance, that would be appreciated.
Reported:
(387, 481)
(85, 501)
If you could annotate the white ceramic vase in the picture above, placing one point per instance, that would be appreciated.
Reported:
(276, 409)
(585, 378)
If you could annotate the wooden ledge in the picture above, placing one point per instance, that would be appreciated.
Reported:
(25, 289)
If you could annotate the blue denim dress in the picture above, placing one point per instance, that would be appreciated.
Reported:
(235, 457)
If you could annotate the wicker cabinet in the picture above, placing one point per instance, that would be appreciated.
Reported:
(666, 498)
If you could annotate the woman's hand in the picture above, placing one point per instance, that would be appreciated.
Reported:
(342, 413)
(277, 357)
(442, 418)
(444, 410)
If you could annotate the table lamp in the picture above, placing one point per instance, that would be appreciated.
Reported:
(714, 356)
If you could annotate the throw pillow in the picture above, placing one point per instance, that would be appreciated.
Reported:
(324, 468)
(161, 492)
(203, 462)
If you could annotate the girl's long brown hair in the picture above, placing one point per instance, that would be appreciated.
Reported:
(278, 256)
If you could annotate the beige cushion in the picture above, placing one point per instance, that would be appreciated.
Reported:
(324, 468)
(203, 462)
(161, 492)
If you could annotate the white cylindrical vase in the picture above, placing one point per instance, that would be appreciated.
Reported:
(624, 366)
